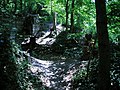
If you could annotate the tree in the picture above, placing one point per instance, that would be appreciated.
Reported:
(21, 5)
(72, 17)
(51, 6)
(103, 43)
(15, 3)
(67, 6)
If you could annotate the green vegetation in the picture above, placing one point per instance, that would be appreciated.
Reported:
(79, 29)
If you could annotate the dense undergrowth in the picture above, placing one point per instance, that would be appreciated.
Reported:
(15, 69)
(14, 64)
(86, 78)
(8, 67)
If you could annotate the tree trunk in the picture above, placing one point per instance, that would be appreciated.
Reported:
(21, 5)
(67, 14)
(4, 4)
(72, 17)
(103, 43)
(24, 4)
(55, 22)
(15, 8)
(51, 7)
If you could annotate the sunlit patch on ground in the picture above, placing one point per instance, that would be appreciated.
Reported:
(56, 75)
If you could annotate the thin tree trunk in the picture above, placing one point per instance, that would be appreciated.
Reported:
(72, 17)
(24, 4)
(15, 8)
(55, 22)
(21, 5)
(67, 14)
(4, 4)
(51, 7)
(7, 1)
(103, 43)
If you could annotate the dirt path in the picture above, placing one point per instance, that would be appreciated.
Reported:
(57, 74)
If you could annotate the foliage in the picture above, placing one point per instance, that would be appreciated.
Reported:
(114, 20)
(8, 66)
(14, 65)
(83, 81)
(86, 80)
(14, 68)
(115, 65)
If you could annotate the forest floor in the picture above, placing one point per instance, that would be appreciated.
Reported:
(56, 74)
(50, 64)
(55, 70)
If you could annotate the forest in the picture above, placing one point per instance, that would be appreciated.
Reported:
(59, 45)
